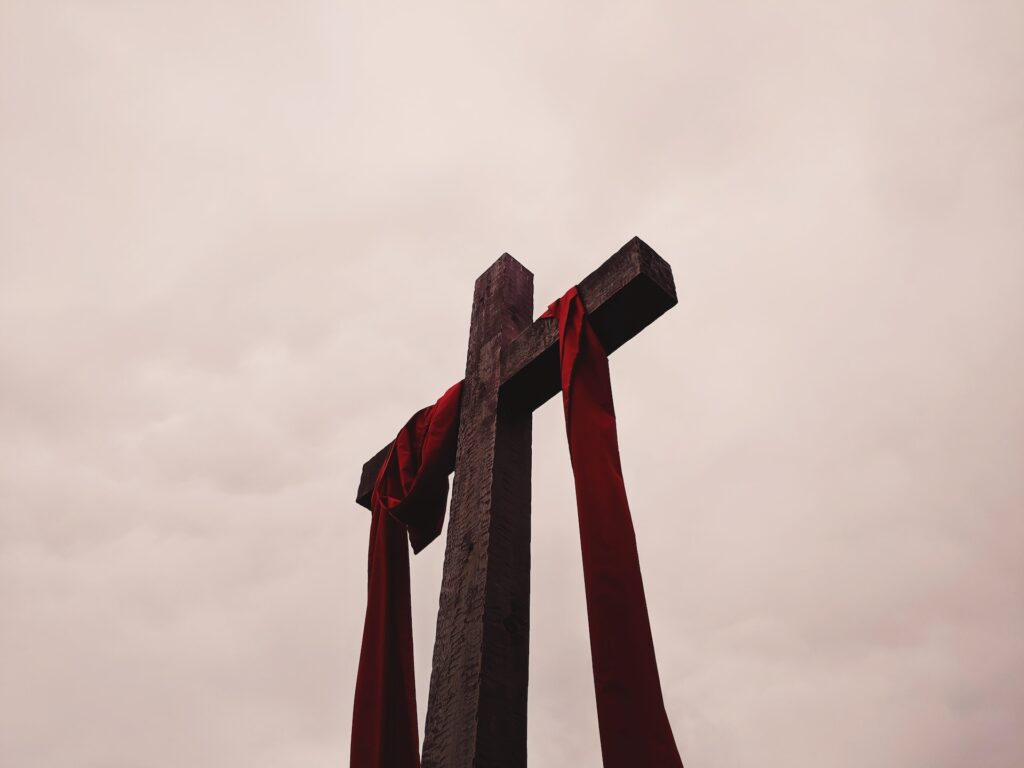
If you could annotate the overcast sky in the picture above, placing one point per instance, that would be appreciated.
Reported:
(238, 243)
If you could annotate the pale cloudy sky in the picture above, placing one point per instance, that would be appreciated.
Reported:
(237, 248)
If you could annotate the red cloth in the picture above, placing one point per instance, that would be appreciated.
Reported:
(634, 727)
(408, 499)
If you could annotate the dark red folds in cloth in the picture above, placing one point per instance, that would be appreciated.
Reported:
(408, 500)
(634, 727)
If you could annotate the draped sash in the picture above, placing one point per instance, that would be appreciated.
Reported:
(408, 501)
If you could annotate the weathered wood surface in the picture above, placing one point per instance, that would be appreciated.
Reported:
(631, 290)
(476, 715)
(623, 296)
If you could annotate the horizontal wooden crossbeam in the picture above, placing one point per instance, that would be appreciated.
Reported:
(632, 289)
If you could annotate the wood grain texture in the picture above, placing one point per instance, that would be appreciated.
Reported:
(476, 715)
(628, 292)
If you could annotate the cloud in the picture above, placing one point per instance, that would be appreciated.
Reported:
(237, 250)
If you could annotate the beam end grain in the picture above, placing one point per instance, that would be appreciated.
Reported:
(369, 476)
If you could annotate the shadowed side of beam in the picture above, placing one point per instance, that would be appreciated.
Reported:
(623, 296)
(631, 290)
(369, 476)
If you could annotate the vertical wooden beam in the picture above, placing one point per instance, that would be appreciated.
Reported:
(476, 717)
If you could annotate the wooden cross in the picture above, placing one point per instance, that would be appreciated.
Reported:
(476, 712)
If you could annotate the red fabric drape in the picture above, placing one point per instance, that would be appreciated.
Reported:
(634, 727)
(408, 500)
